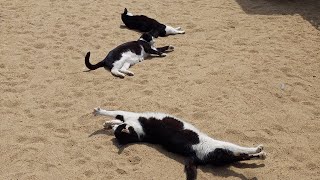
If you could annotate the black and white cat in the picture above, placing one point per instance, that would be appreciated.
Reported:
(146, 24)
(122, 57)
(176, 136)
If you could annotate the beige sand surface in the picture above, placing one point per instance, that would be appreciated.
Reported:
(245, 71)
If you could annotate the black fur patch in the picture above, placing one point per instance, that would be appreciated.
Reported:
(190, 169)
(169, 133)
(120, 117)
(222, 156)
(124, 137)
(147, 37)
(172, 123)
(192, 137)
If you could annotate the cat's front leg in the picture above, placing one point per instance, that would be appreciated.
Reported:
(190, 168)
(154, 50)
(111, 123)
(166, 48)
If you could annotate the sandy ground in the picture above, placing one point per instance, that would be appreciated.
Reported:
(245, 71)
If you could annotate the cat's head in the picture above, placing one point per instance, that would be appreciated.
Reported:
(149, 37)
(126, 134)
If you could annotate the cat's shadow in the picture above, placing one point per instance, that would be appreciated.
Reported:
(221, 171)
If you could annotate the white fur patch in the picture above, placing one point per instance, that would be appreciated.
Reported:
(129, 57)
(171, 31)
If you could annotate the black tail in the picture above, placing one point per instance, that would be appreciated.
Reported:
(125, 11)
(91, 66)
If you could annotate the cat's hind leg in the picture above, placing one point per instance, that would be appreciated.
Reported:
(124, 69)
(171, 31)
(238, 153)
(236, 149)
(116, 72)
(261, 155)
(222, 156)
(190, 168)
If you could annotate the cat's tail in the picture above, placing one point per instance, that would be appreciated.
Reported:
(125, 11)
(93, 66)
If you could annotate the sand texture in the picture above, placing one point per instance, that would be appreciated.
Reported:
(246, 71)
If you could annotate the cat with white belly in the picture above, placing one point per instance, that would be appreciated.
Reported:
(125, 55)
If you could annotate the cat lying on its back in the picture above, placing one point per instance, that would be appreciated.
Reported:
(177, 136)
(122, 57)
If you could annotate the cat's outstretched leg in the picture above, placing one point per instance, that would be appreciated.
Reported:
(166, 48)
(171, 31)
(120, 115)
(261, 155)
(190, 168)
(240, 150)
(111, 123)
(223, 156)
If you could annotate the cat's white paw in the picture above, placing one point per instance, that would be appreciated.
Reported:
(107, 125)
(181, 32)
(259, 148)
(127, 72)
(96, 111)
(178, 28)
(262, 155)
(130, 73)
(163, 55)
(170, 48)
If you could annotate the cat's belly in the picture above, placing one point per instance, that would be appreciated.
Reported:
(132, 58)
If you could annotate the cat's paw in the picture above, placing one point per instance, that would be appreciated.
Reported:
(259, 148)
(130, 73)
(262, 155)
(96, 111)
(127, 72)
(163, 55)
(178, 28)
(170, 48)
(107, 125)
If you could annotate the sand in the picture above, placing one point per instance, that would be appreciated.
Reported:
(245, 71)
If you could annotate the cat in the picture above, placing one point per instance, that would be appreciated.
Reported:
(146, 24)
(125, 55)
(177, 136)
